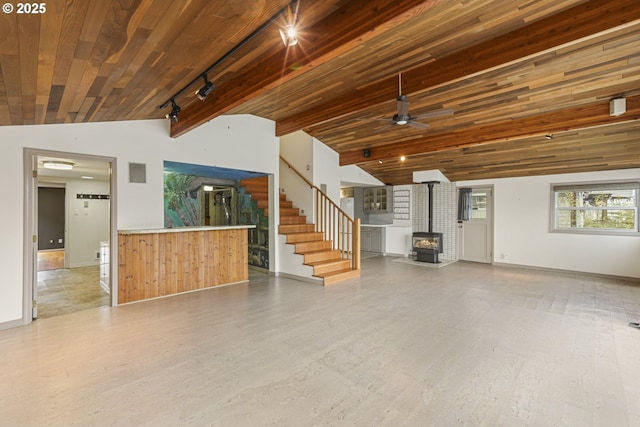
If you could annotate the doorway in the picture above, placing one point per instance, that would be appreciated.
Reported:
(475, 237)
(70, 211)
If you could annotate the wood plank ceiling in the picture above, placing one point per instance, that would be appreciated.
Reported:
(511, 71)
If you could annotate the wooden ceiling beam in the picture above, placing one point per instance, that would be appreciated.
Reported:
(587, 20)
(546, 123)
(350, 25)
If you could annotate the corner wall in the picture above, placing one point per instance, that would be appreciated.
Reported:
(239, 142)
(522, 236)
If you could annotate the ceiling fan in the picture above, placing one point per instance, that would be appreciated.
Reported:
(403, 117)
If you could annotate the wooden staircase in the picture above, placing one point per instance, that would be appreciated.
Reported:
(317, 252)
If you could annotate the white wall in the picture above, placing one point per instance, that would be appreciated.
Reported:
(297, 149)
(326, 170)
(86, 226)
(522, 209)
(355, 176)
(240, 142)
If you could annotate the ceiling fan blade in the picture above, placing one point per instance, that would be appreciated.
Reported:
(384, 127)
(418, 125)
(372, 119)
(403, 108)
(437, 113)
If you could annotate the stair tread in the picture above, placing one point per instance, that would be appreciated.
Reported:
(335, 273)
(326, 262)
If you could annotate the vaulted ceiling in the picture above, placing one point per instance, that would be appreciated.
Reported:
(511, 72)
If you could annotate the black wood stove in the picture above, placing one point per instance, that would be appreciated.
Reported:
(428, 245)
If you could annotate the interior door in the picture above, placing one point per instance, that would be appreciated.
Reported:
(475, 237)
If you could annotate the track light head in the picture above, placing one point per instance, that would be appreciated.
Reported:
(205, 90)
(549, 136)
(173, 114)
(288, 34)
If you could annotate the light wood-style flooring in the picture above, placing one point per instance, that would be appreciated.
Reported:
(67, 290)
(404, 345)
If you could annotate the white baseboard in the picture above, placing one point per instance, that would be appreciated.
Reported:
(300, 278)
(11, 324)
(571, 272)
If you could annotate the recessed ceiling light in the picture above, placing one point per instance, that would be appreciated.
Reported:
(57, 164)
(403, 158)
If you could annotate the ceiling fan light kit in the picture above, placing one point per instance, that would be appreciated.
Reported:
(403, 117)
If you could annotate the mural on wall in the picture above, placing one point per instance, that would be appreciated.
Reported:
(180, 203)
(196, 195)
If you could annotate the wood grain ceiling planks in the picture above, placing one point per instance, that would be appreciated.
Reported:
(511, 71)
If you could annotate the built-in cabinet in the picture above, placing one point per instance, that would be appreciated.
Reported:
(378, 199)
(371, 239)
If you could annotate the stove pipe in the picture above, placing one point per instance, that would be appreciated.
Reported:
(430, 184)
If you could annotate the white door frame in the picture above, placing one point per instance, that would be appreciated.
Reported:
(30, 247)
(490, 221)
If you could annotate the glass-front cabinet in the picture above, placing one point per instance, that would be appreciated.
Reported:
(378, 199)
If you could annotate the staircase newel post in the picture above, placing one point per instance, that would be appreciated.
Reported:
(356, 244)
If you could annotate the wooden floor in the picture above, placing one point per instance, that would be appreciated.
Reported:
(404, 345)
(67, 290)
(50, 260)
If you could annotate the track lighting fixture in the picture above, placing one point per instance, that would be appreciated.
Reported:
(549, 136)
(173, 114)
(206, 89)
(288, 34)
(288, 31)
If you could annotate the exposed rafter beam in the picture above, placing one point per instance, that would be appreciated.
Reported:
(567, 120)
(355, 22)
(587, 20)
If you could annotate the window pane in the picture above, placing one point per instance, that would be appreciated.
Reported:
(479, 206)
(596, 198)
(621, 219)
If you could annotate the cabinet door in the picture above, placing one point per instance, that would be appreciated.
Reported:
(369, 199)
(376, 240)
(381, 199)
(365, 241)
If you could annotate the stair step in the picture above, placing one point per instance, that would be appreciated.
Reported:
(258, 195)
(283, 196)
(321, 255)
(295, 228)
(285, 204)
(319, 245)
(289, 211)
(338, 276)
(324, 267)
(262, 181)
(309, 236)
(293, 219)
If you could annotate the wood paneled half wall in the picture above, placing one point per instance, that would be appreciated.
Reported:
(156, 263)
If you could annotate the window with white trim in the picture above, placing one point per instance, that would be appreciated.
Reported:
(610, 207)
